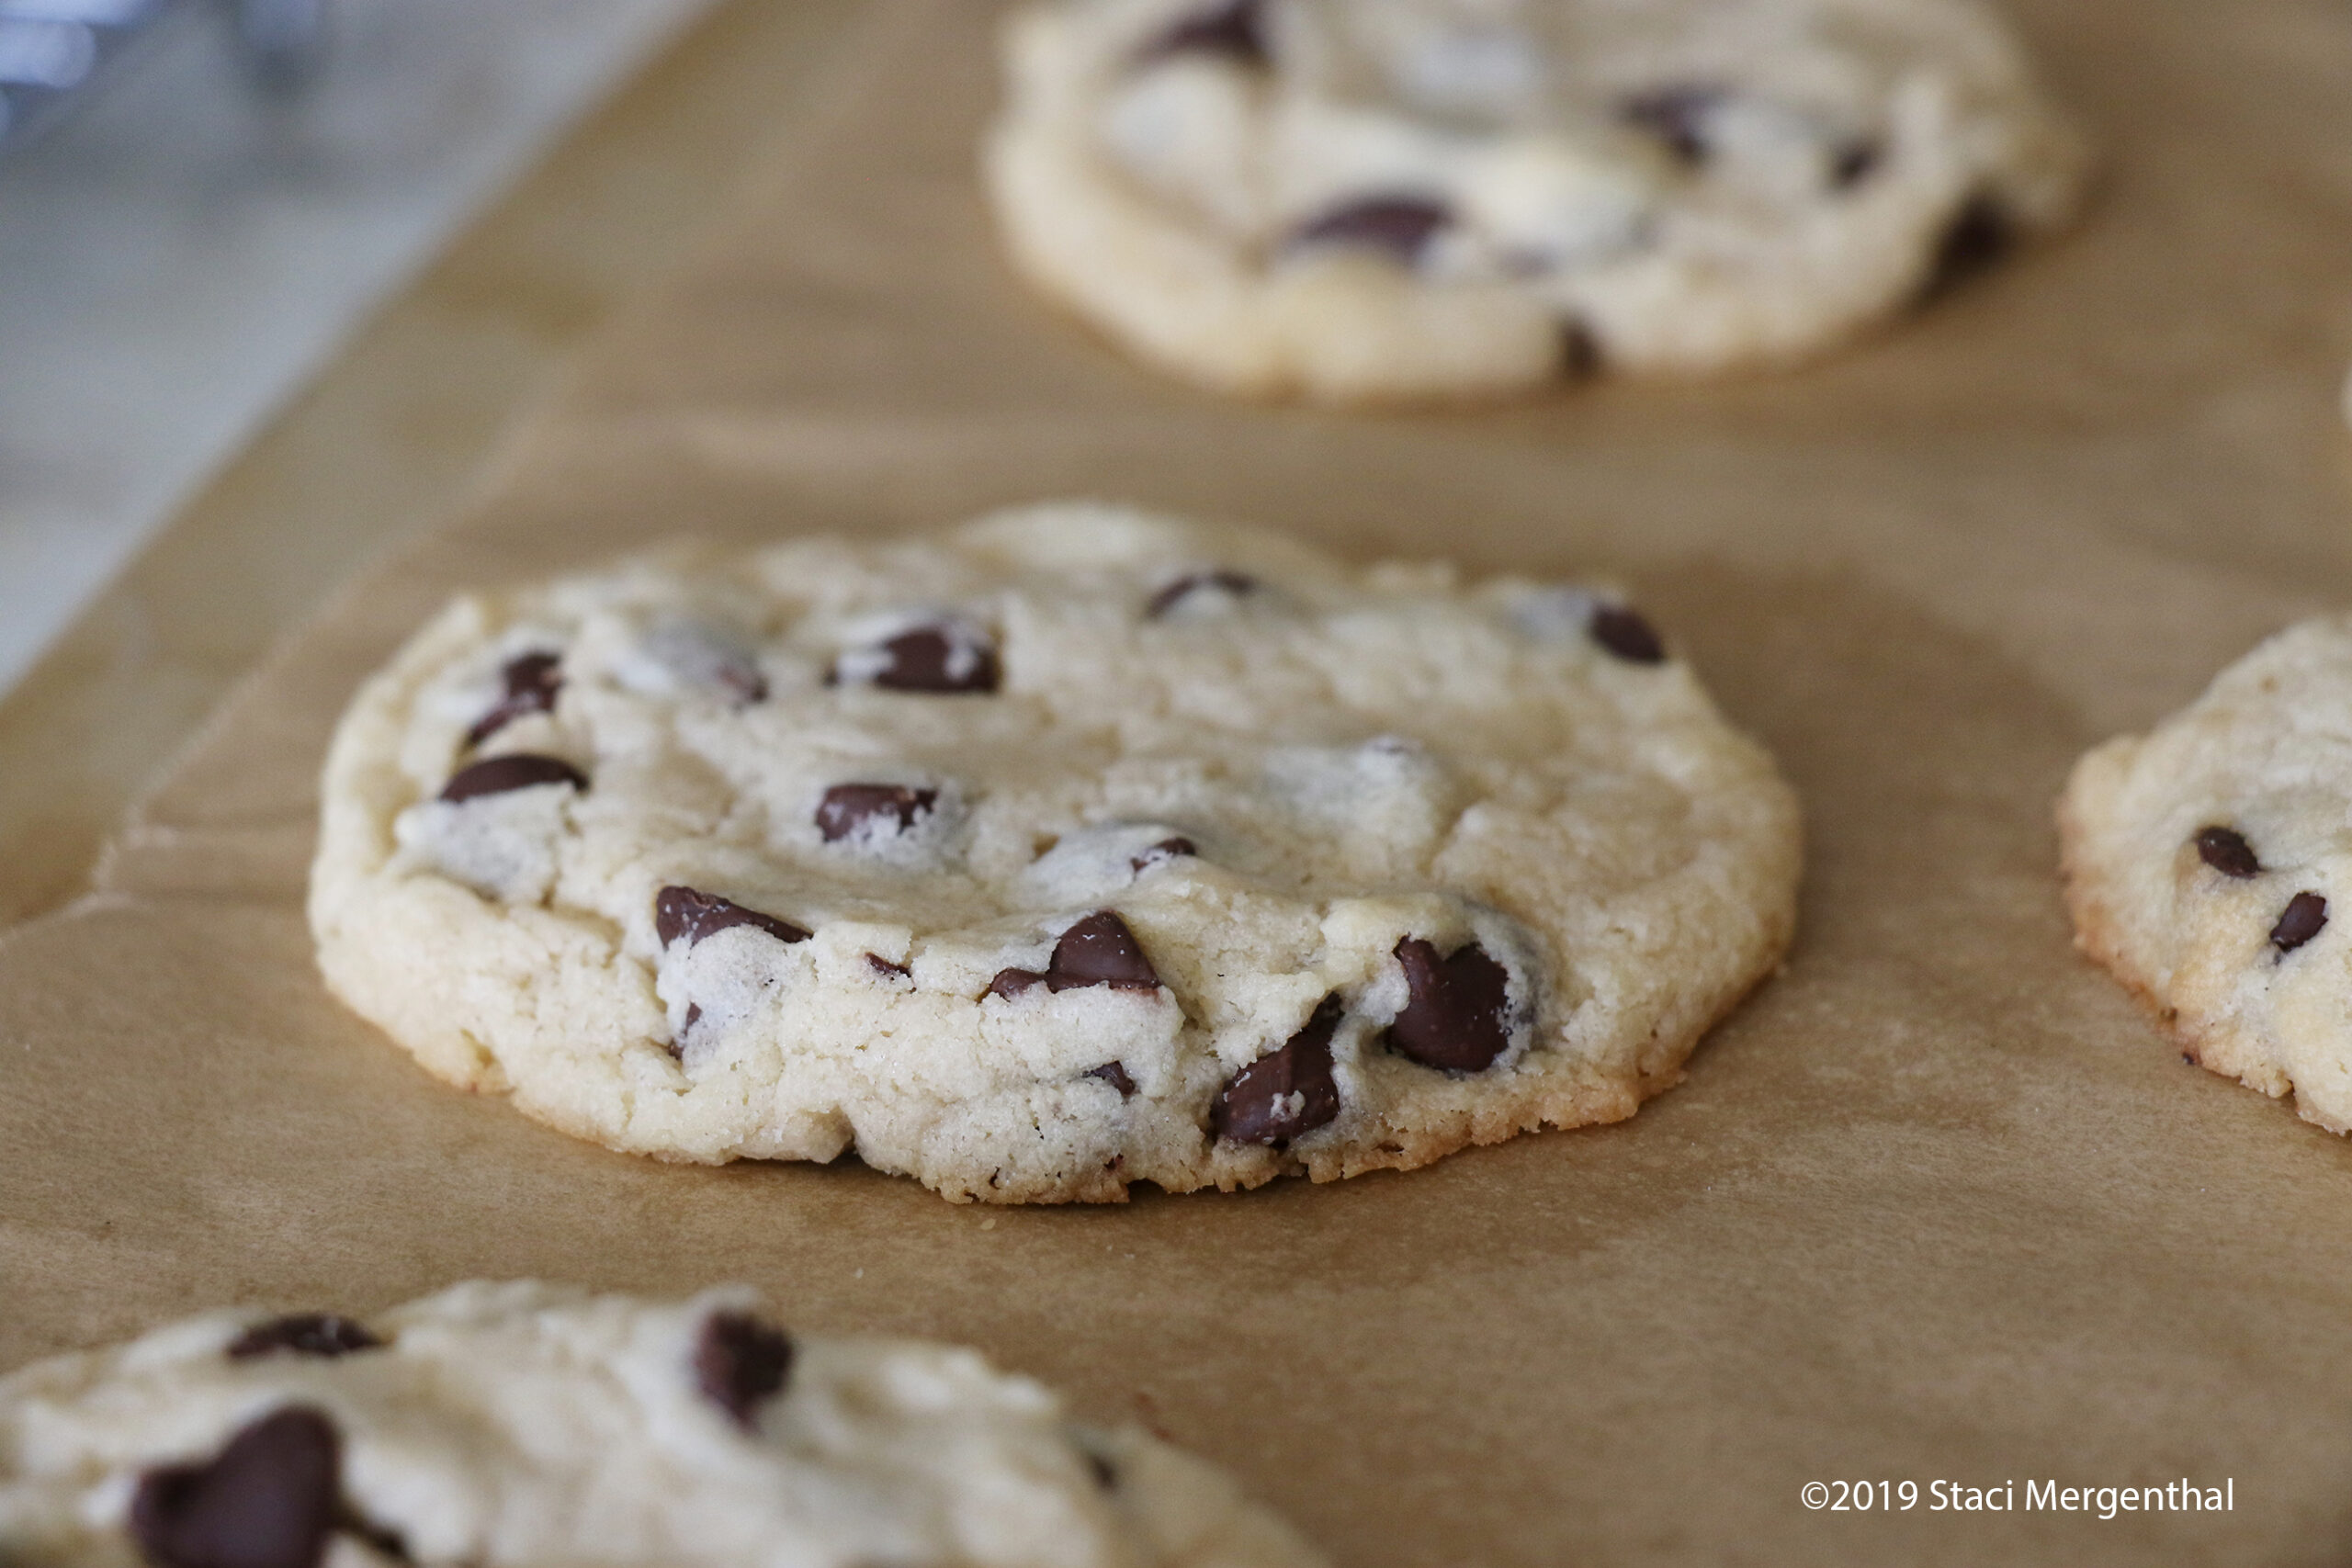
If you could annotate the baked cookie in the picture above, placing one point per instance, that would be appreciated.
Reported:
(2205, 860)
(1361, 200)
(526, 1423)
(1070, 848)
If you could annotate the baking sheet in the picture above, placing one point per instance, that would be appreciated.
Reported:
(1938, 1205)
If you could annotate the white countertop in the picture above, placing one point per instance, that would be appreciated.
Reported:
(179, 257)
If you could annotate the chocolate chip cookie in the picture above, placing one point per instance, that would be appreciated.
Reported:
(1357, 200)
(525, 1424)
(2207, 864)
(1070, 848)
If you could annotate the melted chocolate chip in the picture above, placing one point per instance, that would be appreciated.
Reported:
(1402, 225)
(1854, 163)
(517, 770)
(2226, 851)
(847, 808)
(1163, 853)
(741, 1362)
(1625, 634)
(1979, 235)
(304, 1334)
(687, 912)
(1097, 950)
(1115, 1075)
(887, 969)
(1676, 116)
(1234, 32)
(937, 660)
(2305, 917)
(1581, 358)
(532, 681)
(1284, 1093)
(1457, 1015)
(270, 1499)
(1192, 583)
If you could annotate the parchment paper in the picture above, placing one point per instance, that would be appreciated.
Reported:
(1938, 1205)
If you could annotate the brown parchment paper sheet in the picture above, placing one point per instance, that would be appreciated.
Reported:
(1937, 1203)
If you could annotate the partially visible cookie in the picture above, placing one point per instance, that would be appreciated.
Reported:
(2208, 864)
(497, 1424)
(1070, 848)
(1356, 200)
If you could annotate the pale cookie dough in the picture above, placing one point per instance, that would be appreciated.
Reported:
(1363, 201)
(2205, 860)
(1070, 848)
(527, 1424)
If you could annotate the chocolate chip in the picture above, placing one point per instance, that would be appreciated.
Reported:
(2305, 917)
(939, 659)
(516, 770)
(1235, 31)
(1402, 225)
(1676, 116)
(532, 681)
(304, 1334)
(1456, 1017)
(1854, 163)
(1581, 358)
(1979, 235)
(1115, 1075)
(848, 808)
(1284, 1093)
(2226, 851)
(1104, 1476)
(1163, 853)
(1192, 583)
(270, 1499)
(741, 1361)
(1097, 950)
(887, 969)
(687, 1027)
(1625, 634)
(686, 912)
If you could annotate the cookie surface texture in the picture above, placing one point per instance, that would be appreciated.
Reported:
(1380, 201)
(514, 1423)
(1069, 849)
(2207, 861)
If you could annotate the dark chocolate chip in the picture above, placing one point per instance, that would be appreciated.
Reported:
(1101, 951)
(2305, 917)
(686, 912)
(516, 770)
(1192, 583)
(1581, 358)
(687, 1027)
(2226, 851)
(270, 1499)
(935, 660)
(741, 1362)
(1097, 950)
(532, 681)
(848, 807)
(1284, 1093)
(1457, 1017)
(1163, 853)
(1979, 235)
(887, 969)
(1235, 31)
(1402, 225)
(1115, 1075)
(1625, 634)
(304, 1334)
(1676, 116)
(1013, 982)
(1854, 163)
